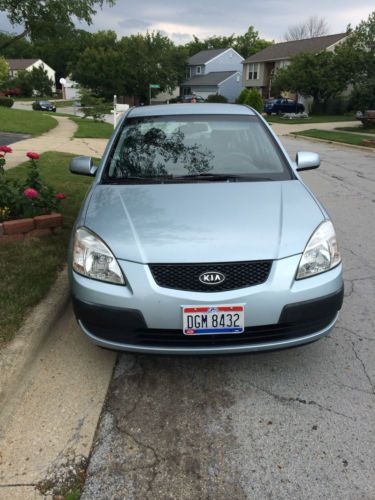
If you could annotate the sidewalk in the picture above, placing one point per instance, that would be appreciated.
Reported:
(59, 139)
(289, 128)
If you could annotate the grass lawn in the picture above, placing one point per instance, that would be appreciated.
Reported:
(358, 130)
(328, 135)
(25, 122)
(90, 129)
(29, 268)
(312, 119)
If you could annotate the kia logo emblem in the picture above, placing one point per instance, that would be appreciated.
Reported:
(212, 278)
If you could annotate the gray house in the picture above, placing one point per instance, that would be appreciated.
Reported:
(214, 71)
(260, 68)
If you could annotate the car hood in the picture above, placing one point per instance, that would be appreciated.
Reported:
(203, 222)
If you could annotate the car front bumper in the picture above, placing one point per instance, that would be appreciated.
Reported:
(143, 317)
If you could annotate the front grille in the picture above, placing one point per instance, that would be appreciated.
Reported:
(186, 276)
(175, 338)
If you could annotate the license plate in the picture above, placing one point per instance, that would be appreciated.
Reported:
(210, 320)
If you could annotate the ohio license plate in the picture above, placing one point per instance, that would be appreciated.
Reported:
(210, 320)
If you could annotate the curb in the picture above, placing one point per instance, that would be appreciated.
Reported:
(328, 141)
(18, 355)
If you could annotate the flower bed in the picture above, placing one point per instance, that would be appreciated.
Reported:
(29, 208)
(40, 225)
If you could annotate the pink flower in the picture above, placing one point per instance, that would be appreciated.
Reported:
(32, 155)
(30, 193)
(6, 149)
(60, 196)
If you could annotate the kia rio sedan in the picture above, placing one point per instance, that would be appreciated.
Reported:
(198, 236)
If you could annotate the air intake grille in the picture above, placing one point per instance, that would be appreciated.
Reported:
(186, 276)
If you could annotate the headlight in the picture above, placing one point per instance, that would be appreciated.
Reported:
(92, 258)
(321, 253)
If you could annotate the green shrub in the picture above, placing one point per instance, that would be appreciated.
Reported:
(241, 99)
(216, 98)
(7, 102)
(254, 100)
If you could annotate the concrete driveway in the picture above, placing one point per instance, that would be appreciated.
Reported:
(291, 424)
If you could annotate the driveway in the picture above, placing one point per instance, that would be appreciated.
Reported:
(290, 424)
(9, 138)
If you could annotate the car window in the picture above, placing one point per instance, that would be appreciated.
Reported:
(175, 146)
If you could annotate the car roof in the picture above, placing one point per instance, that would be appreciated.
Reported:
(190, 109)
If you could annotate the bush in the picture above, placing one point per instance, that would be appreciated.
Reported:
(363, 96)
(338, 105)
(254, 100)
(7, 102)
(216, 98)
(241, 99)
(94, 107)
(29, 198)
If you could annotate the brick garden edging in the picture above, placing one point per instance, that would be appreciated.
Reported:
(27, 228)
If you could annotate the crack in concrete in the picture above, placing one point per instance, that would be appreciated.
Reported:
(356, 389)
(284, 399)
(16, 485)
(157, 458)
(351, 332)
(372, 385)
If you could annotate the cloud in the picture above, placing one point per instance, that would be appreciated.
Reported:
(134, 24)
(180, 19)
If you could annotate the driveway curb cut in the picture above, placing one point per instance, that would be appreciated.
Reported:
(19, 354)
(328, 141)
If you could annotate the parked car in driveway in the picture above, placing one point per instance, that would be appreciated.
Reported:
(198, 236)
(280, 106)
(43, 106)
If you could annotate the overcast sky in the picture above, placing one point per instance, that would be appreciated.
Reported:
(181, 19)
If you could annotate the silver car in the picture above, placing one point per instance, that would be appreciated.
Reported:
(198, 236)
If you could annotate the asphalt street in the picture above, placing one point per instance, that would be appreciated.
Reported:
(294, 424)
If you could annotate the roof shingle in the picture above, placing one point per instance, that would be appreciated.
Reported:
(18, 64)
(286, 50)
(213, 78)
(204, 56)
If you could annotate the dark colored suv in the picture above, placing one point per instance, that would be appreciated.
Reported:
(280, 106)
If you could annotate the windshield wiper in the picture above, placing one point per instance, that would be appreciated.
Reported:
(221, 177)
(135, 180)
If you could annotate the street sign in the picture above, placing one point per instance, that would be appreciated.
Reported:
(154, 86)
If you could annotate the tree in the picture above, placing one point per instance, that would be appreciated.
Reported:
(46, 17)
(40, 81)
(312, 27)
(254, 100)
(127, 66)
(23, 82)
(357, 55)
(247, 44)
(18, 49)
(4, 70)
(242, 98)
(63, 51)
(317, 75)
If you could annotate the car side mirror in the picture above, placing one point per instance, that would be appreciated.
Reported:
(307, 160)
(82, 165)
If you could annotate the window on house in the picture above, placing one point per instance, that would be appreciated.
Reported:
(188, 73)
(199, 70)
(253, 71)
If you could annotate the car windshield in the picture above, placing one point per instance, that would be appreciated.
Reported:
(183, 148)
(44, 102)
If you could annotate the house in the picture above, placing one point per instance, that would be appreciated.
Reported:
(214, 71)
(16, 65)
(260, 68)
